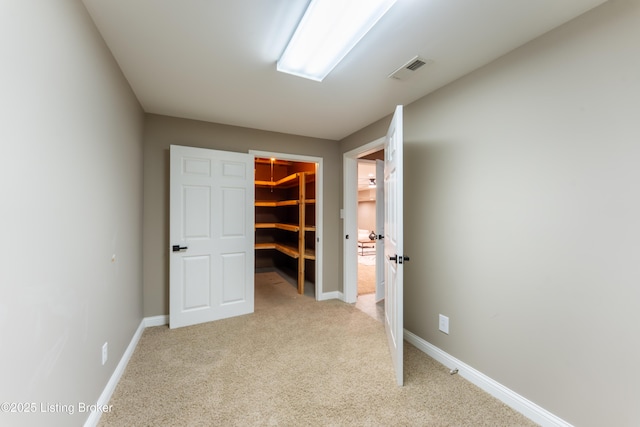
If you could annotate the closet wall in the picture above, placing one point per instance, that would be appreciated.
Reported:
(285, 218)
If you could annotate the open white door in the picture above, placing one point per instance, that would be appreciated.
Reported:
(211, 235)
(393, 242)
(379, 231)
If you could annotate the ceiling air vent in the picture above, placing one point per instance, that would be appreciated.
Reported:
(409, 69)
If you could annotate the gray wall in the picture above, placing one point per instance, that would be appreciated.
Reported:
(522, 217)
(71, 186)
(162, 131)
(367, 215)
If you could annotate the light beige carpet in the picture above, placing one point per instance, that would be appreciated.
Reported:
(366, 273)
(366, 279)
(294, 362)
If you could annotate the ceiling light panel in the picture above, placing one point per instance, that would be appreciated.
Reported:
(328, 30)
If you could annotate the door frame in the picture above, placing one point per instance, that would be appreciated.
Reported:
(319, 196)
(350, 214)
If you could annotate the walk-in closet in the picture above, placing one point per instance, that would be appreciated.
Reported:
(285, 220)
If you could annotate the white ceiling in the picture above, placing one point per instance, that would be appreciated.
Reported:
(366, 171)
(214, 60)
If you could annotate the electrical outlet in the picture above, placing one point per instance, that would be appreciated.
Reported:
(105, 353)
(443, 325)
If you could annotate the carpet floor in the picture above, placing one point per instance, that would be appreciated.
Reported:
(367, 273)
(293, 362)
(366, 279)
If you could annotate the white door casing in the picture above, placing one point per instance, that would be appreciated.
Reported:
(393, 242)
(211, 235)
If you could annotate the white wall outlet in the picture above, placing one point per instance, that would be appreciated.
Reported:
(443, 325)
(105, 353)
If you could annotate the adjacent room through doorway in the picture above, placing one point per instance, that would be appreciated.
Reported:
(366, 227)
(368, 233)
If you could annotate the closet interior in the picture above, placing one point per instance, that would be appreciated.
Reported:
(285, 216)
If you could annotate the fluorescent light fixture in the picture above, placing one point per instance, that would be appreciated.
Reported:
(328, 30)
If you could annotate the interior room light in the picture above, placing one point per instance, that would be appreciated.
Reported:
(328, 30)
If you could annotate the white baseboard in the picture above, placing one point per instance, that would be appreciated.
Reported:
(156, 321)
(104, 398)
(497, 390)
(331, 295)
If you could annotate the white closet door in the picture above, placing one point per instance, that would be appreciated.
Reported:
(211, 235)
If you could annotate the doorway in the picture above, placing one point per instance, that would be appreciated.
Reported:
(370, 298)
(288, 203)
(360, 250)
(366, 220)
